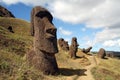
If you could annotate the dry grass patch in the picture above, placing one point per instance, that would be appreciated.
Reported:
(108, 69)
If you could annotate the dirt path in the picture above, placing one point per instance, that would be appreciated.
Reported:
(88, 75)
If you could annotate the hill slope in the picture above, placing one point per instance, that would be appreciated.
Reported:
(19, 26)
(17, 42)
(107, 69)
(5, 13)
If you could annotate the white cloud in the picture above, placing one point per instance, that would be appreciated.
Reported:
(94, 13)
(9, 1)
(64, 32)
(107, 34)
(27, 2)
(111, 43)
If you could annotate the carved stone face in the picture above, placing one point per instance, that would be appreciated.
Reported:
(74, 42)
(63, 44)
(43, 30)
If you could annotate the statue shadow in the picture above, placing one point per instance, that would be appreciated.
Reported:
(105, 58)
(78, 57)
(71, 72)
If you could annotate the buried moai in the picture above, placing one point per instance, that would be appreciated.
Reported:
(10, 29)
(73, 48)
(102, 53)
(63, 45)
(86, 50)
(42, 57)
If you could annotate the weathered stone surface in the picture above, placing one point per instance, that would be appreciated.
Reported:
(86, 50)
(63, 45)
(102, 53)
(5, 13)
(73, 48)
(42, 57)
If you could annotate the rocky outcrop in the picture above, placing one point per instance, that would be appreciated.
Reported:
(5, 13)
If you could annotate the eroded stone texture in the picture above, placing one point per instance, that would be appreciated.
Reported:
(73, 48)
(5, 13)
(63, 45)
(86, 50)
(102, 53)
(42, 57)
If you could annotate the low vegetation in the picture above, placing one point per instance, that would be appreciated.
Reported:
(108, 69)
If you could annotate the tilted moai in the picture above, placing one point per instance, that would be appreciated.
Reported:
(86, 50)
(73, 48)
(102, 53)
(42, 57)
(63, 45)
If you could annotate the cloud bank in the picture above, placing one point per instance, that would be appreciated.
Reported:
(94, 13)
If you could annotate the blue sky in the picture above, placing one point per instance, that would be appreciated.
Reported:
(95, 23)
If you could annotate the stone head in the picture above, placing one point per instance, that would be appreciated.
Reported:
(63, 44)
(74, 41)
(66, 45)
(43, 30)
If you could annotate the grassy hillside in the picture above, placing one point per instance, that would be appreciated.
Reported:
(108, 69)
(13, 47)
(17, 42)
(19, 26)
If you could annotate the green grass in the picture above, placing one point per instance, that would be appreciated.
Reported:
(107, 70)
(18, 42)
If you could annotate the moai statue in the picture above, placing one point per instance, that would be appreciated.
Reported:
(102, 53)
(42, 57)
(73, 48)
(66, 46)
(60, 42)
(63, 45)
(86, 50)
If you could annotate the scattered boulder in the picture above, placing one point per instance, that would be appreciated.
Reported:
(42, 56)
(5, 13)
(63, 45)
(73, 48)
(102, 53)
(86, 50)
